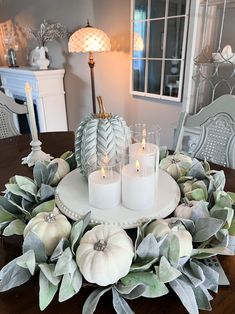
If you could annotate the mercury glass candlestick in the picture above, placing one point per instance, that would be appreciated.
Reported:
(36, 154)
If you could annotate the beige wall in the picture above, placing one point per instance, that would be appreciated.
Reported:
(112, 68)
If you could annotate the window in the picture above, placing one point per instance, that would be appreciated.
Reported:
(159, 30)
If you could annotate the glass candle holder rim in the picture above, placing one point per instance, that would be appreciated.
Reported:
(150, 128)
(93, 166)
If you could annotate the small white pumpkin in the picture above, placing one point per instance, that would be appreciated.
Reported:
(160, 228)
(62, 170)
(50, 228)
(105, 254)
(185, 210)
(176, 165)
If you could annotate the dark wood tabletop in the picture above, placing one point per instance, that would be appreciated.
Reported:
(24, 299)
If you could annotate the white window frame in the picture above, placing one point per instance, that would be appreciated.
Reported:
(163, 59)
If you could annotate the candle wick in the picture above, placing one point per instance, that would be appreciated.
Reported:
(137, 169)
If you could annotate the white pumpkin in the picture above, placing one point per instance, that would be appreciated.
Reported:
(185, 210)
(50, 227)
(62, 170)
(176, 165)
(105, 254)
(160, 228)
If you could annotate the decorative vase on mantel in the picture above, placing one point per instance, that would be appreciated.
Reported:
(38, 58)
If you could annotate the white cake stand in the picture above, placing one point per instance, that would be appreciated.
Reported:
(72, 200)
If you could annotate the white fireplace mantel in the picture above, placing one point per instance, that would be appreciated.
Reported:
(48, 94)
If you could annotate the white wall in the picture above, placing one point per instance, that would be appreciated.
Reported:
(112, 70)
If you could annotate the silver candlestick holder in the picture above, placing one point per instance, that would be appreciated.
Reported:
(36, 154)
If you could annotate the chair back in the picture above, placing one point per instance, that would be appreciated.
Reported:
(209, 134)
(8, 109)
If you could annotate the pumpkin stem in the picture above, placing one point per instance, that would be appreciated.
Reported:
(102, 112)
(100, 245)
(50, 218)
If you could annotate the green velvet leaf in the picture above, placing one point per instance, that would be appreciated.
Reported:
(12, 275)
(32, 242)
(15, 189)
(225, 214)
(77, 231)
(45, 192)
(27, 260)
(166, 272)
(16, 226)
(70, 285)
(185, 293)
(170, 248)
(194, 273)
(232, 227)
(9, 207)
(65, 263)
(26, 184)
(119, 304)
(44, 207)
(5, 216)
(49, 272)
(211, 281)
(60, 248)
(40, 173)
(219, 180)
(52, 168)
(142, 265)
(202, 298)
(148, 248)
(205, 228)
(91, 302)
(46, 291)
(130, 292)
(153, 287)
(207, 252)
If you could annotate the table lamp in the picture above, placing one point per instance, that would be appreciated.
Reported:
(89, 39)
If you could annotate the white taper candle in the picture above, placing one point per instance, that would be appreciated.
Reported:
(32, 121)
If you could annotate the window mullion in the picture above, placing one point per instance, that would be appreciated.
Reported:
(164, 48)
(147, 48)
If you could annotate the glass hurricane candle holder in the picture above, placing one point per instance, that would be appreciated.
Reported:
(145, 145)
(138, 185)
(104, 185)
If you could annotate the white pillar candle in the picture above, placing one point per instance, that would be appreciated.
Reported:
(32, 121)
(104, 190)
(147, 154)
(138, 187)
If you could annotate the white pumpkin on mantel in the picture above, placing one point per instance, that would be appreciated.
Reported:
(105, 254)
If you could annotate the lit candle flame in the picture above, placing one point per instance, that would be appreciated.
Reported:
(102, 172)
(137, 165)
(28, 88)
(143, 143)
(144, 133)
(106, 159)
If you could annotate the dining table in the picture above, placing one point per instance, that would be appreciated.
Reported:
(25, 299)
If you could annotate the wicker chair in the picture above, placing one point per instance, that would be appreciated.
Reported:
(209, 134)
(9, 108)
